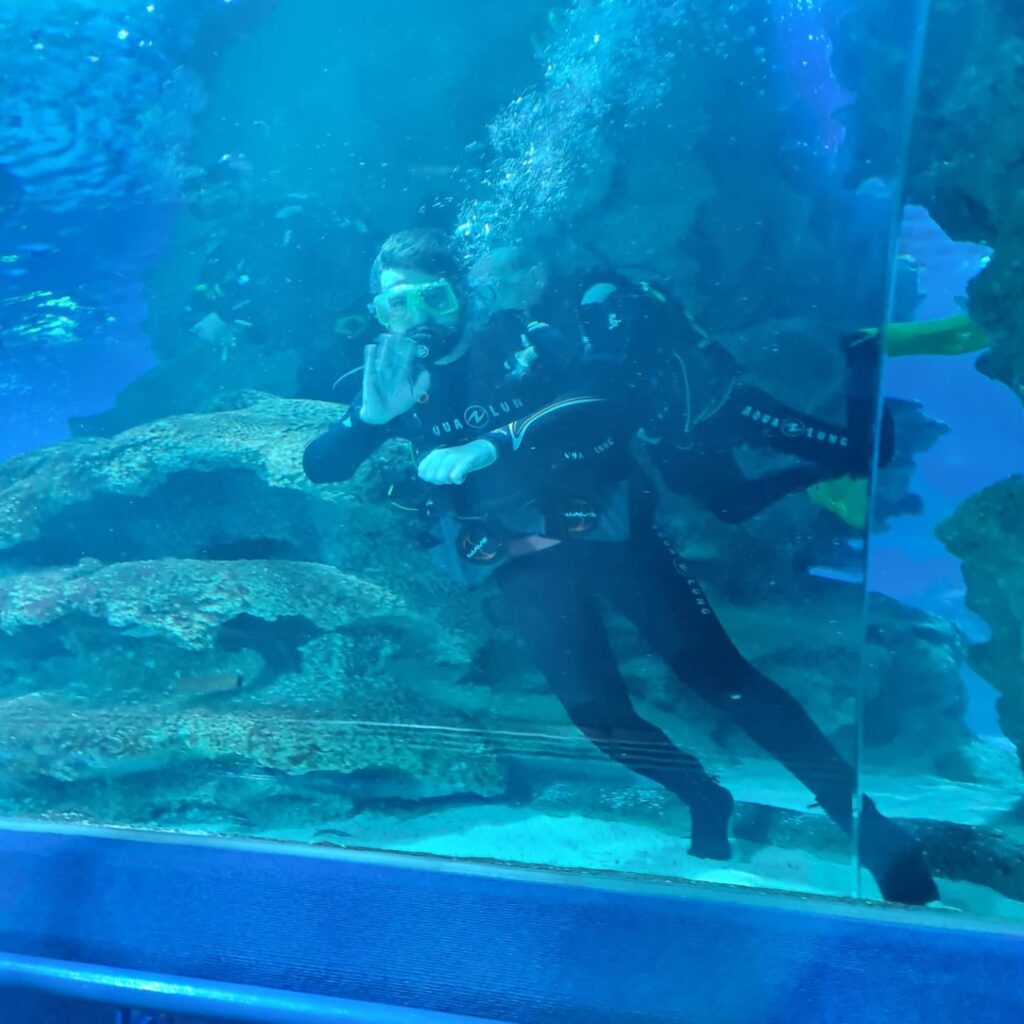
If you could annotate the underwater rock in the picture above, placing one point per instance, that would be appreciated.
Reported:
(997, 302)
(226, 484)
(221, 487)
(233, 567)
(906, 682)
(50, 739)
(915, 700)
(229, 561)
(968, 136)
(915, 433)
(258, 435)
(985, 533)
(968, 141)
(329, 687)
(188, 601)
(914, 695)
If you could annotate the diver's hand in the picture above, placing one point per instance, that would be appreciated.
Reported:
(392, 383)
(453, 465)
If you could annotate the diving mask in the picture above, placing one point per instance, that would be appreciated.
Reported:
(406, 303)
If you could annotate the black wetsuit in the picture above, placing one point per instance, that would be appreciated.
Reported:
(694, 406)
(561, 466)
(564, 452)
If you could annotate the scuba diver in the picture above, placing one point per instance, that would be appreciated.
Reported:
(690, 397)
(695, 406)
(687, 394)
(546, 498)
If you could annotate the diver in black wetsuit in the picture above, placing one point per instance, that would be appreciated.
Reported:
(695, 407)
(687, 395)
(538, 438)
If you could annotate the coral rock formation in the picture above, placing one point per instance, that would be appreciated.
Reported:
(985, 532)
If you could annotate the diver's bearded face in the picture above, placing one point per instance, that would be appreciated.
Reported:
(410, 299)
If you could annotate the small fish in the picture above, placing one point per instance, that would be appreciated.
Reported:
(434, 170)
(221, 682)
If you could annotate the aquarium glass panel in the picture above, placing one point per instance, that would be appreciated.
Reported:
(450, 429)
(943, 698)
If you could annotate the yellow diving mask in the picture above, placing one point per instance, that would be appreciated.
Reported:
(407, 302)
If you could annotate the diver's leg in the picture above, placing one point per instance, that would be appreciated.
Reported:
(673, 612)
(745, 497)
(714, 477)
(549, 601)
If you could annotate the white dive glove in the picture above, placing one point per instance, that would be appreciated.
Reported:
(392, 383)
(453, 465)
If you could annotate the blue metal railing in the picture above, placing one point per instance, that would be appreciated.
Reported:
(264, 932)
(207, 999)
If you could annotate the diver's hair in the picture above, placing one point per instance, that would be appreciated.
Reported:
(426, 250)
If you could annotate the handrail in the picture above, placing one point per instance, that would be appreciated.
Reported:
(216, 1000)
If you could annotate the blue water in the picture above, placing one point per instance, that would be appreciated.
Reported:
(985, 423)
(577, 118)
(99, 261)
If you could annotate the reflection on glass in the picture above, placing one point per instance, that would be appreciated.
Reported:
(469, 460)
(942, 664)
(945, 525)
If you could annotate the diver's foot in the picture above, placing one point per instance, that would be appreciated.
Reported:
(895, 858)
(710, 811)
